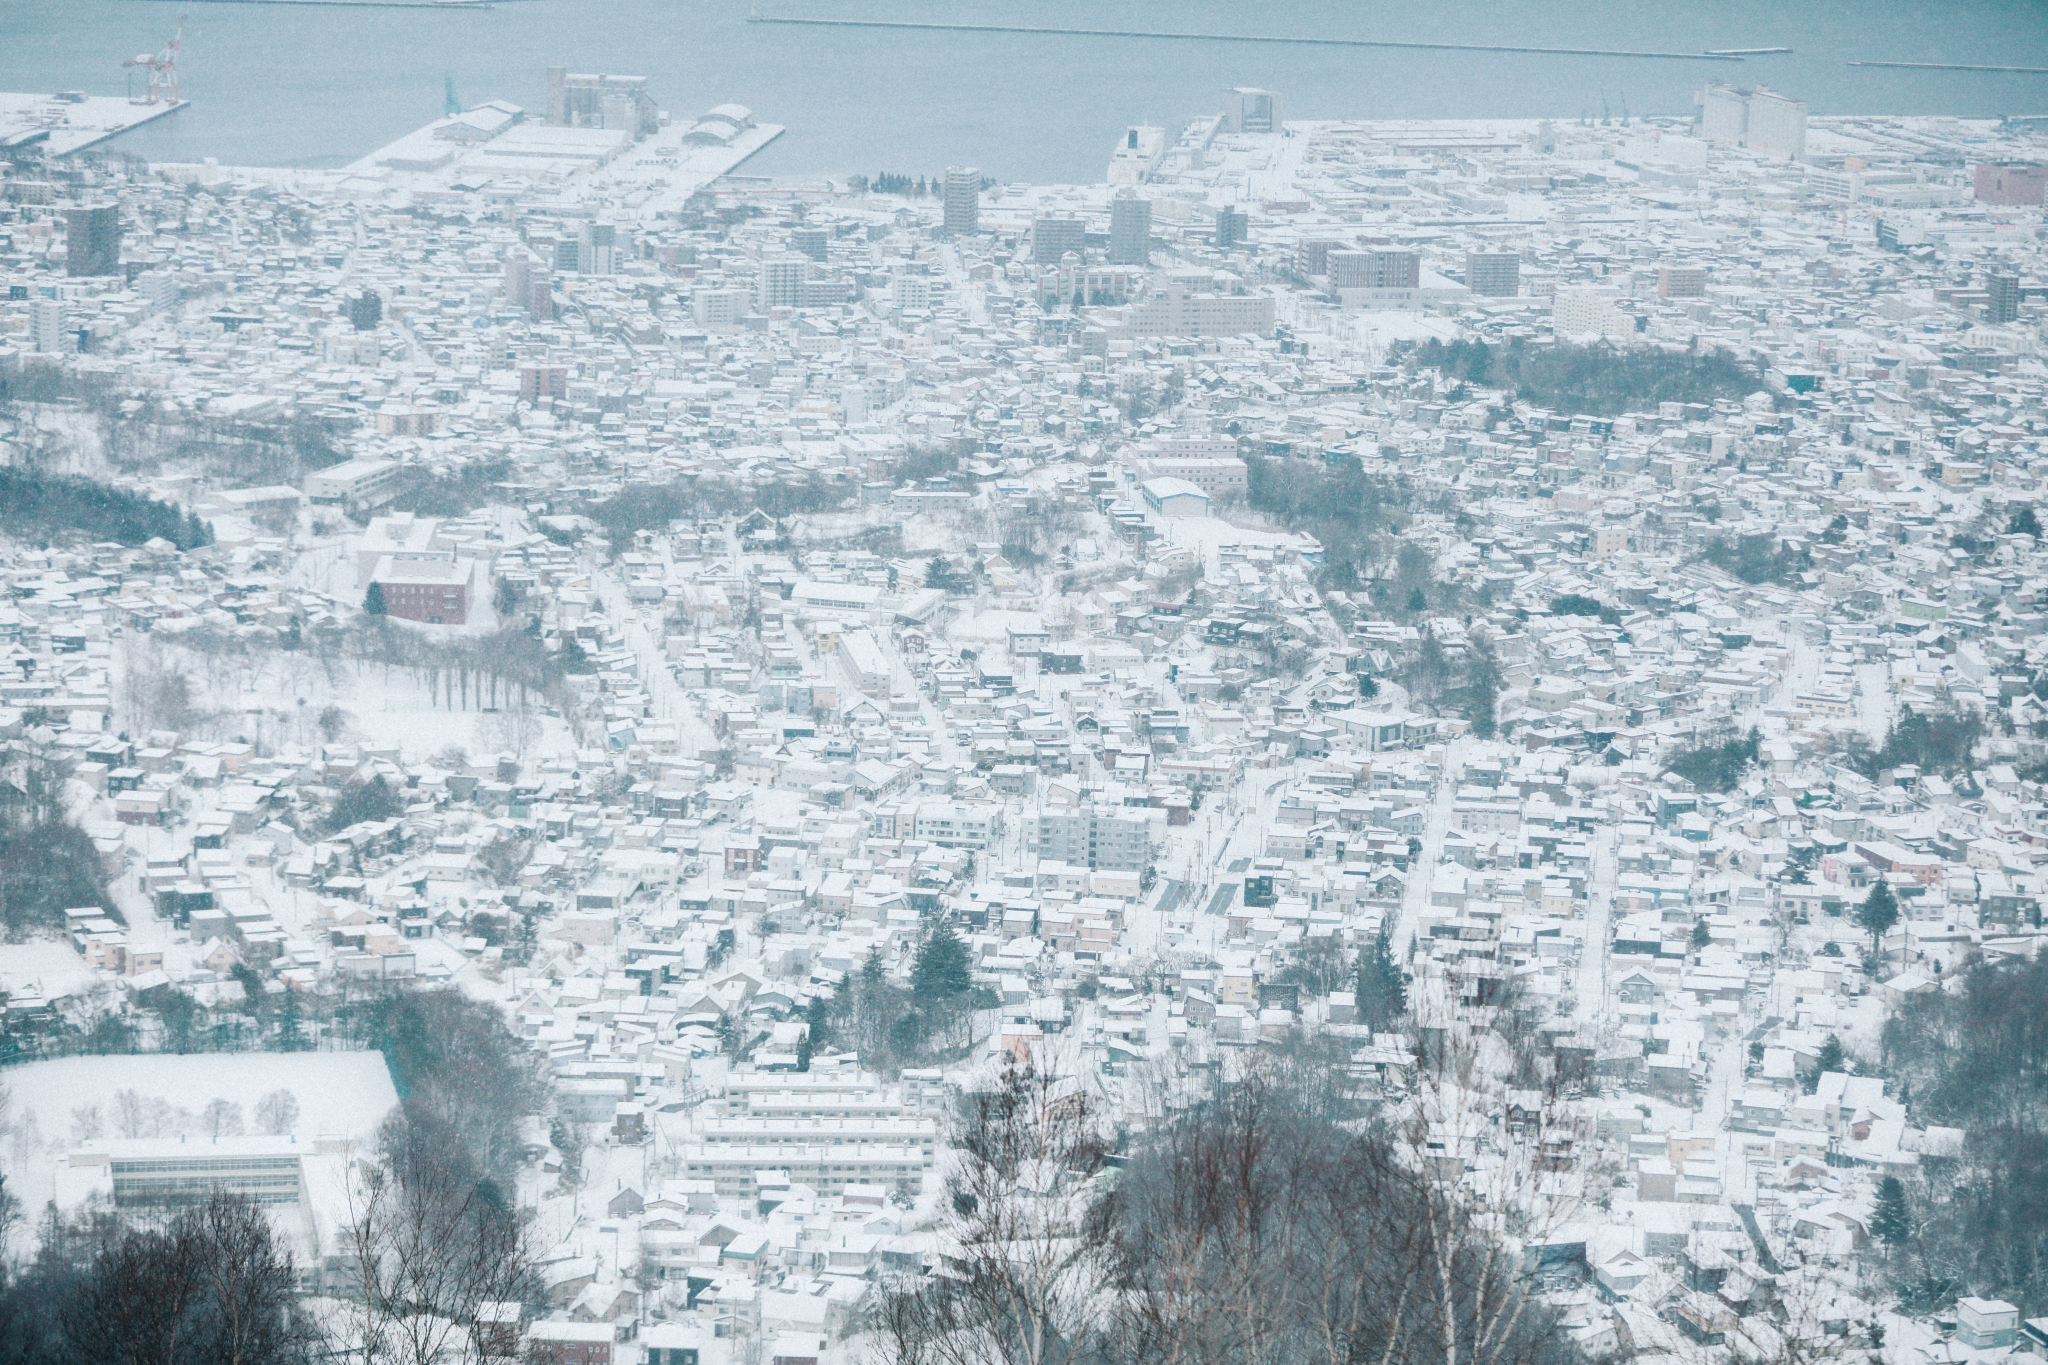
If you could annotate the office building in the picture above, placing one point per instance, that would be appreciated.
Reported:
(1233, 228)
(782, 282)
(963, 199)
(1494, 274)
(810, 241)
(1053, 235)
(542, 384)
(1760, 119)
(1106, 838)
(1130, 231)
(1576, 312)
(365, 310)
(46, 326)
(529, 287)
(1681, 282)
(597, 249)
(2013, 184)
(1375, 269)
(92, 244)
(1247, 109)
(583, 100)
(1312, 255)
(159, 288)
(720, 310)
(2004, 289)
(1178, 311)
(911, 293)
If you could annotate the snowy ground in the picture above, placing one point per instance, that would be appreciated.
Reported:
(56, 1105)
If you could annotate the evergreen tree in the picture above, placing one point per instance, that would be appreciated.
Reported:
(1831, 1054)
(1417, 603)
(942, 969)
(816, 1027)
(1382, 992)
(1878, 913)
(291, 1034)
(803, 1051)
(873, 971)
(1892, 1223)
(373, 600)
(2024, 523)
(1701, 935)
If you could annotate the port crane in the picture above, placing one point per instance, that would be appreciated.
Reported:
(163, 68)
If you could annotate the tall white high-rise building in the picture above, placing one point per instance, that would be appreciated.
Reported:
(911, 293)
(782, 281)
(720, 310)
(963, 199)
(46, 325)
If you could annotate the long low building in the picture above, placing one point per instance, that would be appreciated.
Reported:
(734, 1168)
(783, 1131)
(156, 1172)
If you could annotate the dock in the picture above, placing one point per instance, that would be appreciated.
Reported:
(653, 175)
(1722, 56)
(68, 122)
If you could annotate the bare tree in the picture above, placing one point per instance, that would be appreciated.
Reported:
(221, 1118)
(212, 1286)
(1025, 1256)
(1273, 1223)
(276, 1112)
(429, 1240)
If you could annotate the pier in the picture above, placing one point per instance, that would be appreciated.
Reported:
(65, 123)
(1725, 56)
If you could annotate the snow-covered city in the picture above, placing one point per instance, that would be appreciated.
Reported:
(1363, 741)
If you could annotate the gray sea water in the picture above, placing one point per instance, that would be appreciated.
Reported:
(278, 84)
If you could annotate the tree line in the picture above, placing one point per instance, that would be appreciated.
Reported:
(1594, 380)
(35, 505)
(1256, 1226)
(652, 506)
(1974, 1056)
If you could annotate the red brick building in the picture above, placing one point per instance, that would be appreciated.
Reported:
(433, 589)
(570, 1343)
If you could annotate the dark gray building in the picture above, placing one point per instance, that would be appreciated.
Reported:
(1130, 231)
